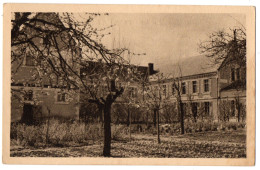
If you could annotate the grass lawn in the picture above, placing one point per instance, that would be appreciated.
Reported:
(227, 144)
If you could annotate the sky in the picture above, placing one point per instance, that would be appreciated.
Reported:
(164, 38)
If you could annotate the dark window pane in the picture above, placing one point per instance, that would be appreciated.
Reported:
(183, 88)
(61, 97)
(29, 61)
(28, 95)
(206, 85)
(232, 74)
(164, 90)
(206, 108)
(238, 73)
(173, 89)
(194, 86)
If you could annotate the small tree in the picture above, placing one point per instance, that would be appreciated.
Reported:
(177, 85)
(156, 97)
(224, 110)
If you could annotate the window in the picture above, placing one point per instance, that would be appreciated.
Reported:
(232, 108)
(206, 108)
(61, 97)
(164, 90)
(28, 95)
(232, 74)
(156, 91)
(206, 85)
(173, 89)
(183, 88)
(29, 60)
(238, 73)
(132, 92)
(194, 86)
(194, 108)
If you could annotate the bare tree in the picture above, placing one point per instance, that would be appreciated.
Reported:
(65, 49)
(229, 49)
(156, 97)
(179, 90)
(229, 46)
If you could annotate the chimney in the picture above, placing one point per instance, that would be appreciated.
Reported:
(150, 69)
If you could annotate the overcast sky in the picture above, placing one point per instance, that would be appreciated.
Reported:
(165, 37)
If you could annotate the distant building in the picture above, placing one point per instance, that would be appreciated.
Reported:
(36, 95)
(205, 86)
(32, 99)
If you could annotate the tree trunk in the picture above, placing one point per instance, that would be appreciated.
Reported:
(48, 126)
(181, 116)
(238, 112)
(238, 108)
(107, 129)
(100, 111)
(128, 116)
(158, 127)
(130, 121)
(154, 117)
(147, 119)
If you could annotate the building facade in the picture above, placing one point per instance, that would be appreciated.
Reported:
(215, 92)
(35, 100)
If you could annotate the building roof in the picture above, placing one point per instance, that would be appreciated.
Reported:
(191, 66)
(95, 67)
(236, 85)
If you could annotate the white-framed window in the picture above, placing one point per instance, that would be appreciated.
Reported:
(206, 85)
(194, 86)
(183, 87)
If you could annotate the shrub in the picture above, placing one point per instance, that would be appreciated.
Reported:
(27, 135)
(118, 132)
(59, 133)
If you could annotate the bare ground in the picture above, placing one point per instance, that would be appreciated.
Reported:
(228, 144)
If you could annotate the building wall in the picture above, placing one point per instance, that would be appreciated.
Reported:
(200, 96)
(233, 90)
(42, 100)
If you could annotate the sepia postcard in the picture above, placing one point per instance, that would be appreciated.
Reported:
(129, 84)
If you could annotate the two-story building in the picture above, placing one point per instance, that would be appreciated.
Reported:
(204, 87)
